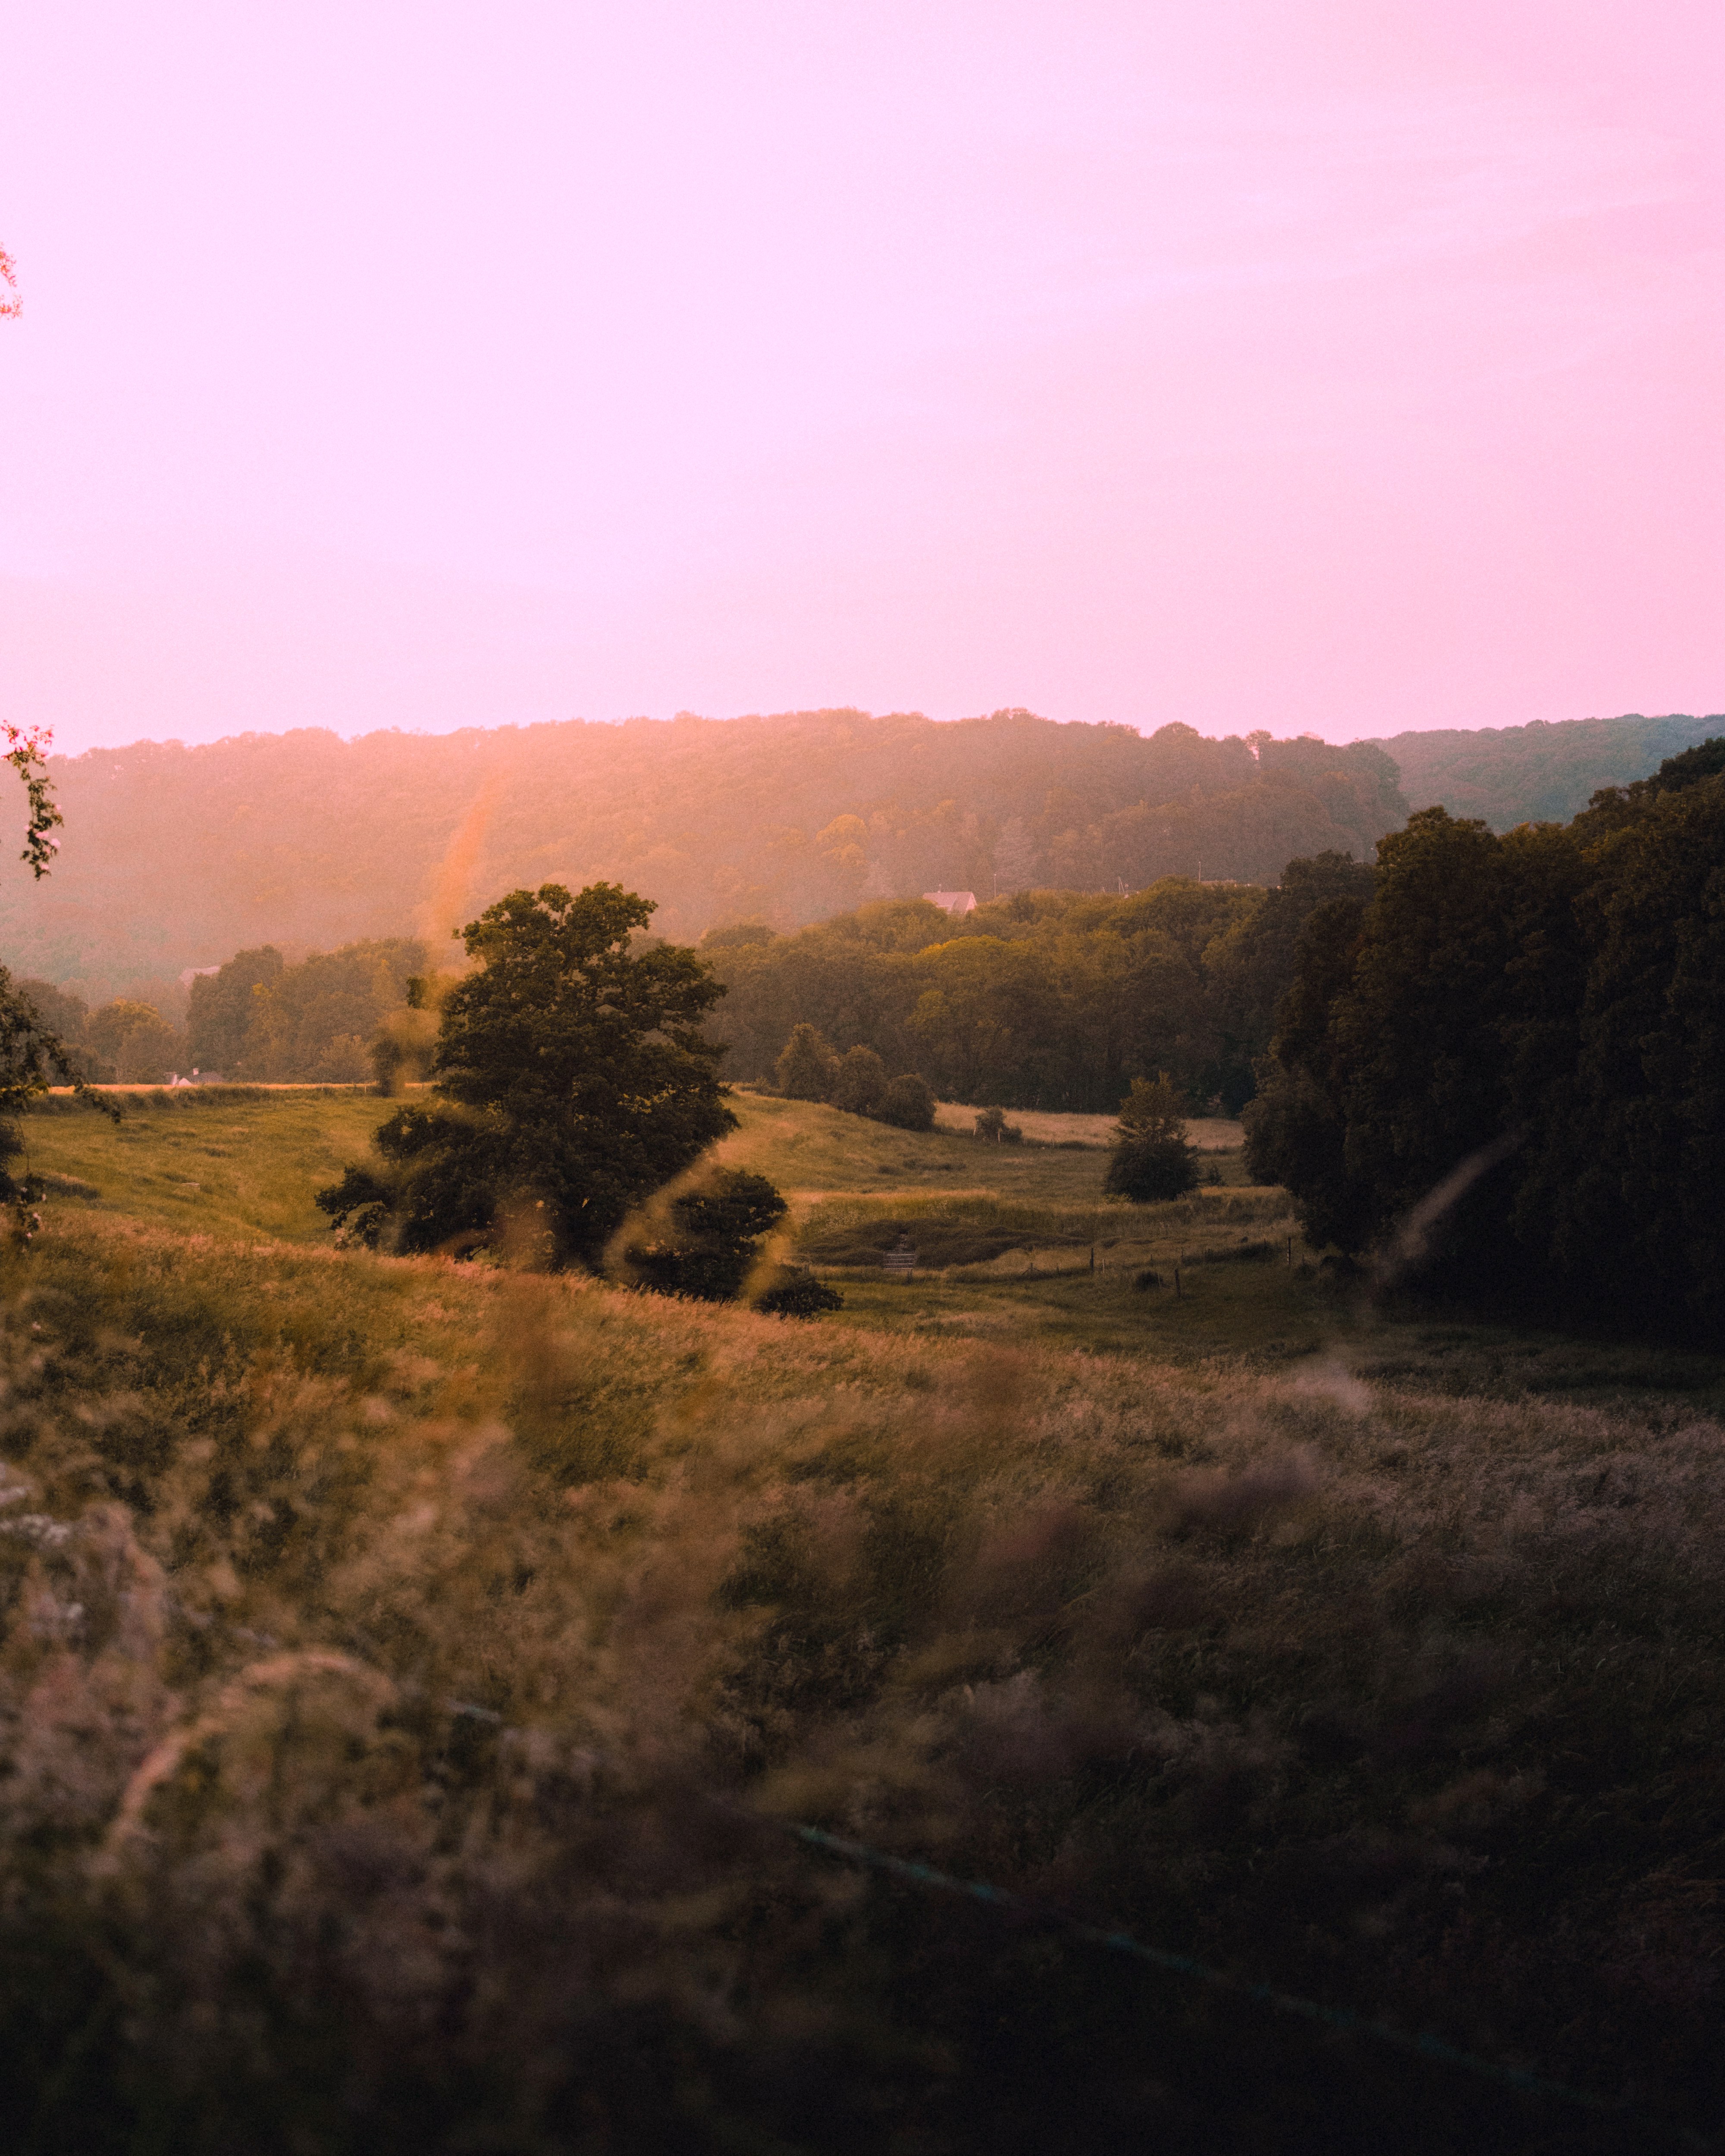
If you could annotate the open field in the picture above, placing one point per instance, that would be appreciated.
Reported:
(225, 1161)
(1208, 1133)
(813, 1152)
(244, 1168)
(410, 1670)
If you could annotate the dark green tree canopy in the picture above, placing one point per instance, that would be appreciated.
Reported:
(906, 1103)
(1045, 999)
(860, 1082)
(1506, 1074)
(572, 1078)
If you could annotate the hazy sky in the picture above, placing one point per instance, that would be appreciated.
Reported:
(1348, 367)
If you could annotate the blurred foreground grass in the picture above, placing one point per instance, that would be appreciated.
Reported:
(407, 1668)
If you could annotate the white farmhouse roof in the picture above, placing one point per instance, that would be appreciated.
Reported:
(952, 902)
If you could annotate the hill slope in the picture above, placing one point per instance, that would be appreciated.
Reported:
(1538, 773)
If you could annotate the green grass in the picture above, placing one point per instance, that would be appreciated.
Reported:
(241, 1165)
(257, 1155)
(244, 1166)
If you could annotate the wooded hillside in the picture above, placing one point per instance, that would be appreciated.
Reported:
(177, 857)
(1539, 773)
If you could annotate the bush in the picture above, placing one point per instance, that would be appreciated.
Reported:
(992, 1125)
(861, 1081)
(715, 1249)
(1146, 1169)
(807, 1068)
(796, 1293)
(907, 1104)
(359, 1207)
(1151, 1159)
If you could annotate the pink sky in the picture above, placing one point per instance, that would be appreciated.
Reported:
(1346, 367)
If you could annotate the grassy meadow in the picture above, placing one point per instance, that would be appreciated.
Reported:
(413, 1674)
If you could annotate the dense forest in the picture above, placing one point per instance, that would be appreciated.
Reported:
(1503, 1073)
(177, 857)
(1048, 1000)
(1124, 927)
(256, 1018)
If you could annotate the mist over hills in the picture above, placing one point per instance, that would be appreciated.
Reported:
(177, 856)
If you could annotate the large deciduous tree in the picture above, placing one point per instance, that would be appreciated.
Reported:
(571, 1080)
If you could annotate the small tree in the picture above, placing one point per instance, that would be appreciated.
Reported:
(861, 1081)
(807, 1068)
(1151, 1159)
(32, 1059)
(572, 1079)
(994, 1129)
(907, 1104)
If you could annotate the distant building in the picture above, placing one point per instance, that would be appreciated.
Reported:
(198, 1078)
(955, 902)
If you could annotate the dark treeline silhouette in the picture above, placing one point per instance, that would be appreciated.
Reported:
(1049, 999)
(1504, 1073)
(261, 1020)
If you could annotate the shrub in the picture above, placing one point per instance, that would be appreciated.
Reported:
(1151, 1159)
(807, 1068)
(796, 1293)
(860, 1080)
(907, 1104)
(992, 1125)
(1146, 1169)
(359, 1207)
(715, 1249)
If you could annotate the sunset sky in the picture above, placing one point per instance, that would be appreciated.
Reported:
(1345, 368)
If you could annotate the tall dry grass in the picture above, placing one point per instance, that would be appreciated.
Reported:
(408, 1673)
